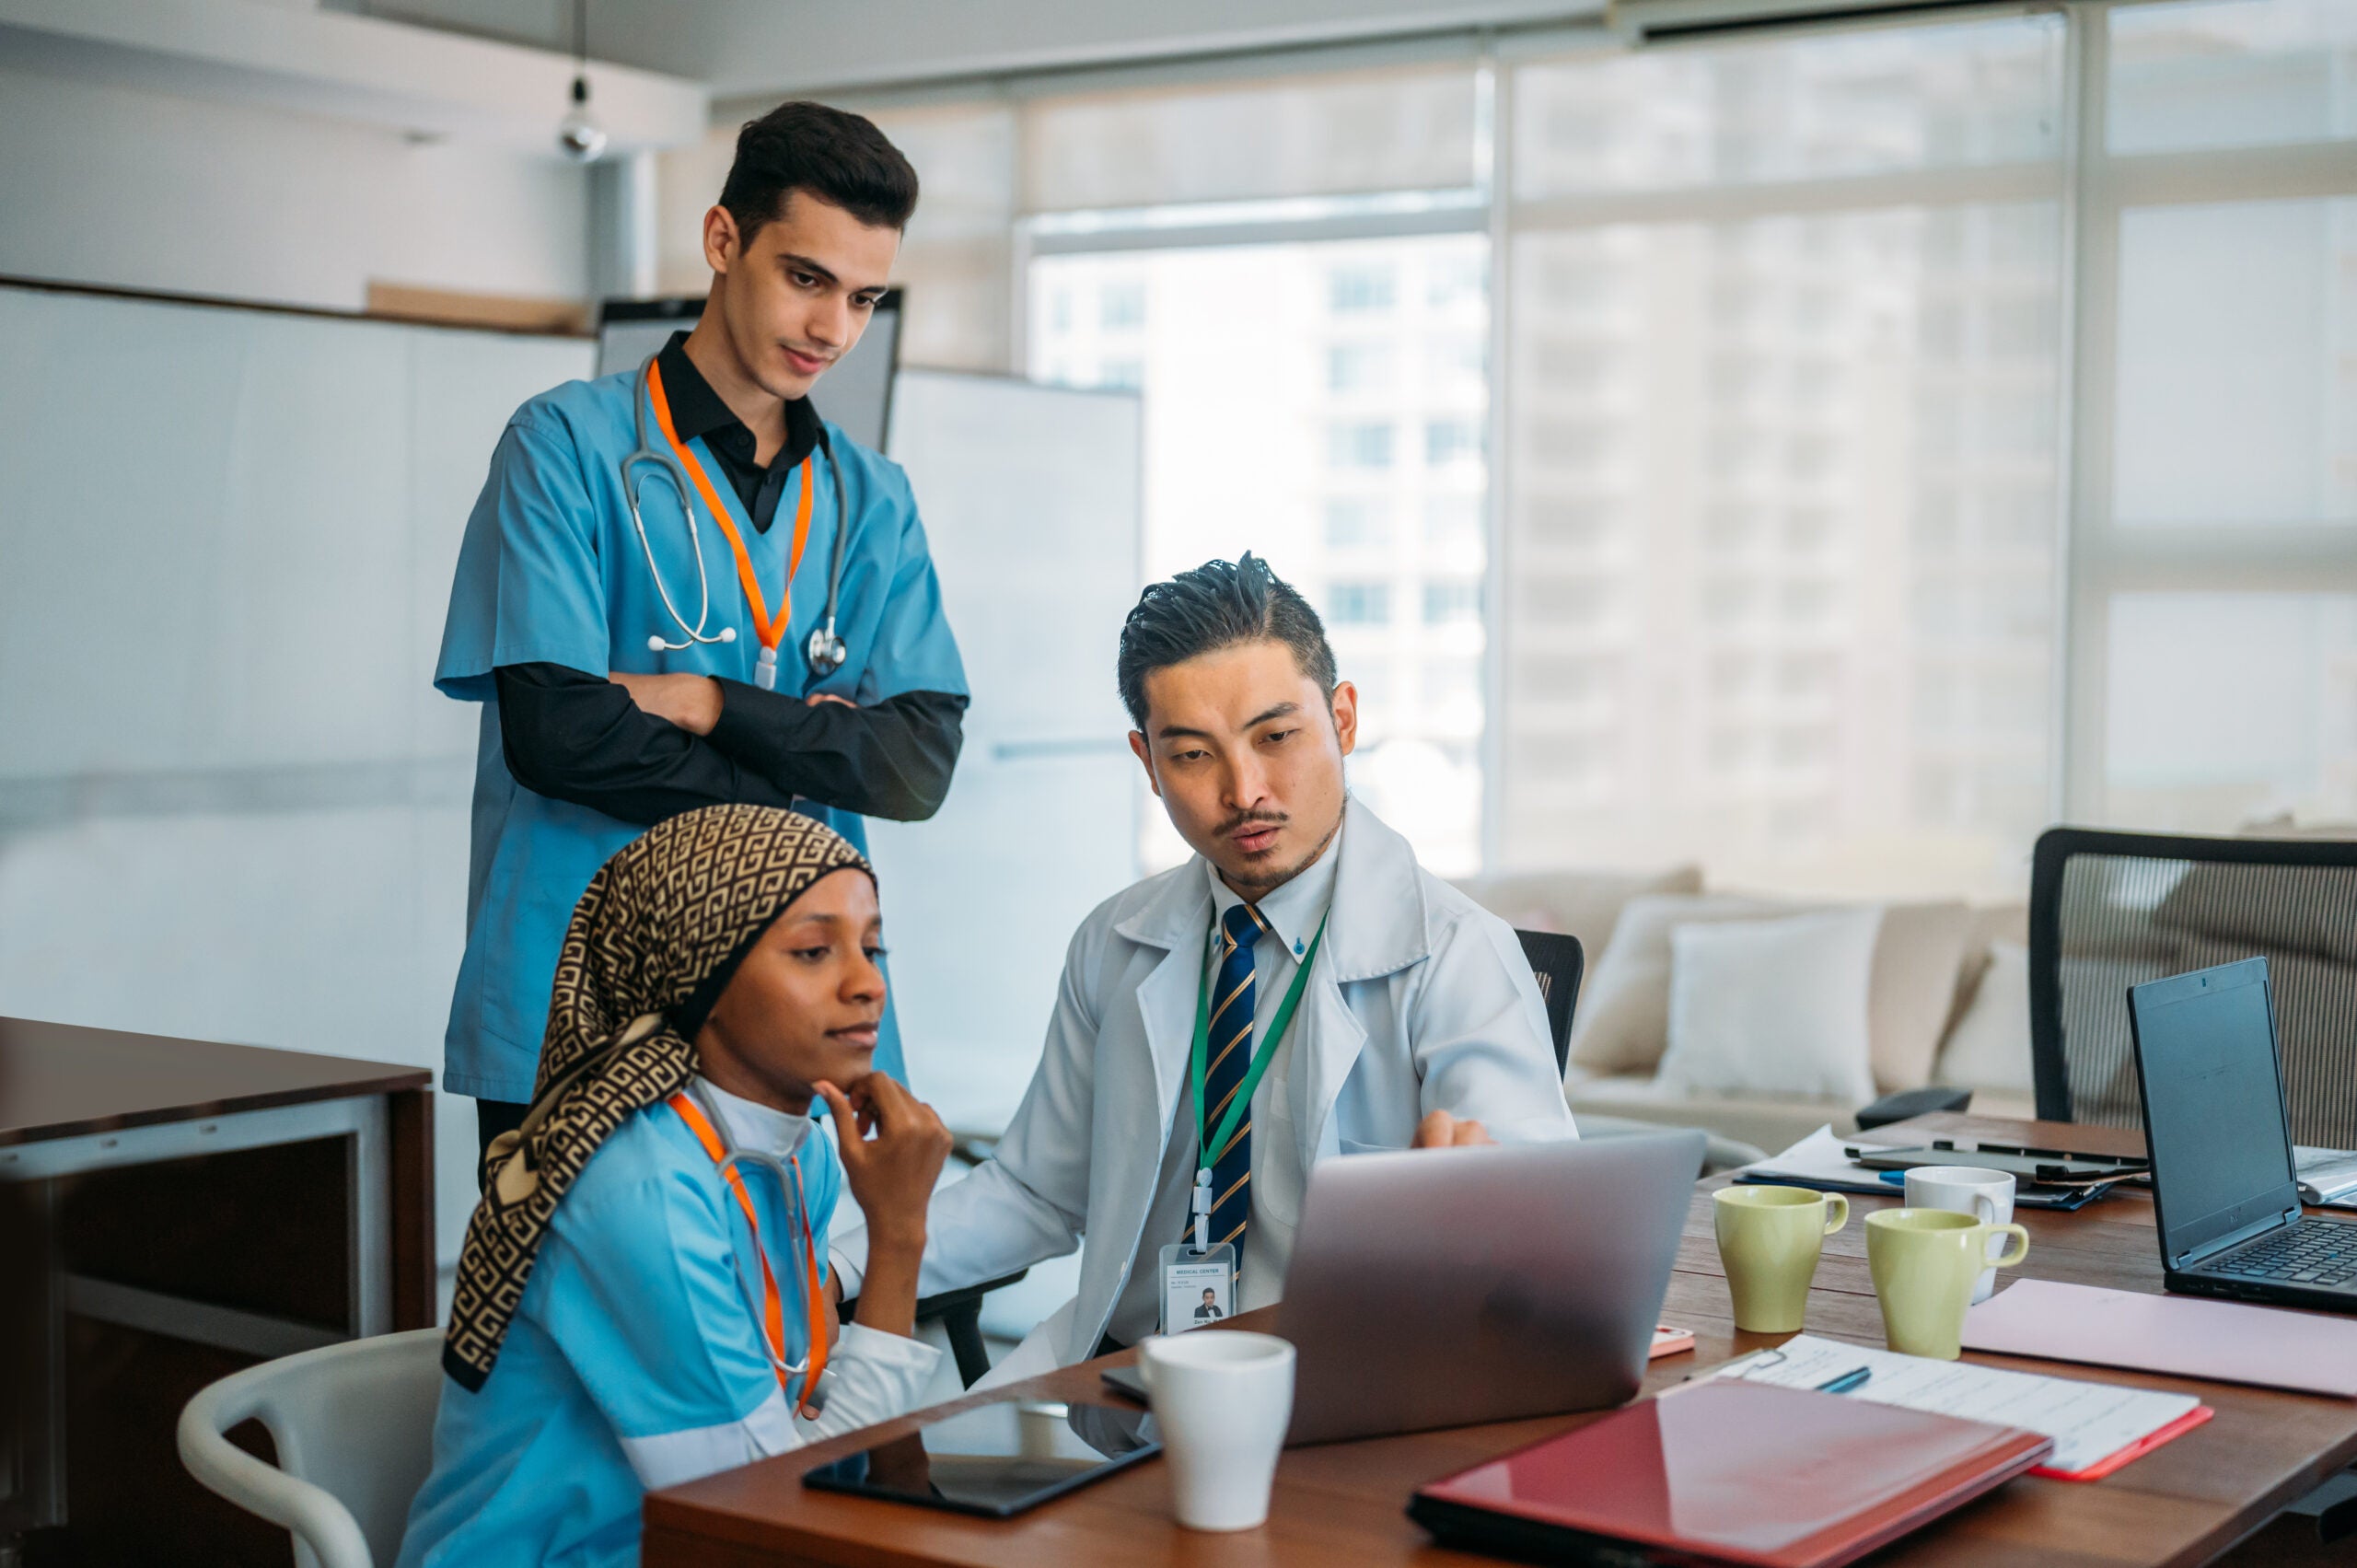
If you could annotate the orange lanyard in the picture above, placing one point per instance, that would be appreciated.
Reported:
(764, 628)
(772, 1306)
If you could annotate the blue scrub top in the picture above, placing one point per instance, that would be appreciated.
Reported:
(551, 572)
(632, 1332)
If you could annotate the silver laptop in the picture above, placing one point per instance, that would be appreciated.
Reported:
(1441, 1287)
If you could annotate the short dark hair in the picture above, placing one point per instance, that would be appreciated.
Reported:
(834, 156)
(1218, 605)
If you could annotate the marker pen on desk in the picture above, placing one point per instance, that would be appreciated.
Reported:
(1847, 1381)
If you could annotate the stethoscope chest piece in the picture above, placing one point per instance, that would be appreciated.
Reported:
(825, 650)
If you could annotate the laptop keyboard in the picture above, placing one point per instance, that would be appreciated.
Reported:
(2322, 1254)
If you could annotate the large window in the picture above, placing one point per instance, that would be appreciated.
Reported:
(1830, 455)
(1783, 457)
(2213, 584)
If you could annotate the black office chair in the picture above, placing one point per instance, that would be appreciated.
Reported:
(2109, 910)
(1556, 962)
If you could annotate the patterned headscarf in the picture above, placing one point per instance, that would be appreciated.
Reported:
(651, 945)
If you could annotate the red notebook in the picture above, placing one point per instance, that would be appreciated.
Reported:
(1729, 1473)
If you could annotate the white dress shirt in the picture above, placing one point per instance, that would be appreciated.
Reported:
(1292, 914)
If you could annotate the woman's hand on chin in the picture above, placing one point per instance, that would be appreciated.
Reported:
(893, 1147)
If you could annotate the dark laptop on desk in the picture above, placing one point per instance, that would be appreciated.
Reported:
(2224, 1198)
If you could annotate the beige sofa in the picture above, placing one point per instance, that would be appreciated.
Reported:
(1948, 1000)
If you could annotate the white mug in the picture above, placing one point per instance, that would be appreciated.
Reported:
(1966, 1190)
(1223, 1401)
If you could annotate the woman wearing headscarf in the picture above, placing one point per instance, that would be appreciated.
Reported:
(642, 1296)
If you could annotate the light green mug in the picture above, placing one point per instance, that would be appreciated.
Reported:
(1924, 1262)
(1768, 1242)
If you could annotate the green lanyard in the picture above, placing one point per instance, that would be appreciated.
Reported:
(1260, 1058)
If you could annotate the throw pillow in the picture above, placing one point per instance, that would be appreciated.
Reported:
(1773, 1006)
(1989, 1047)
(1622, 1021)
(1621, 1024)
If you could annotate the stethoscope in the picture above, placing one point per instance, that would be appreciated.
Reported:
(825, 651)
(694, 1107)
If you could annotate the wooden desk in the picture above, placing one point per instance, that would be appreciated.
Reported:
(254, 1202)
(1341, 1504)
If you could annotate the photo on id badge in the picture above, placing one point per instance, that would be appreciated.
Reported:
(1197, 1287)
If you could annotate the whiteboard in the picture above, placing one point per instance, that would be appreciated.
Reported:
(232, 805)
(1031, 496)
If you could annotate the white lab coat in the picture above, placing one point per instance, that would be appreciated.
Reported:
(1418, 1000)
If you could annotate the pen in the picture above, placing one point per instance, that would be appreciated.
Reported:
(1847, 1381)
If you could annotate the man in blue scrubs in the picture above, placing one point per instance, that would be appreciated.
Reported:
(588, 736)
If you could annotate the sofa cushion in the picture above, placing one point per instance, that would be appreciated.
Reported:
(1770, 1121)
(1989, 1047)
(1988, 925)
(1622, 1023)
(1586, 904)
(1773, 1006)
(1917, 959)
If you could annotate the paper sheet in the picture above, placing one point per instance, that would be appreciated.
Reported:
(2327, 1176)
(1817, 1161)
(2088, 1421)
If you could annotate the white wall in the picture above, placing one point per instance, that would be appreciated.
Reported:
(112, 185)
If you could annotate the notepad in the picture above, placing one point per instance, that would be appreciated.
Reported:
(2097, 1427)
(2232, 1341)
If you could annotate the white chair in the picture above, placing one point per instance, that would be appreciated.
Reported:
(354, 1425)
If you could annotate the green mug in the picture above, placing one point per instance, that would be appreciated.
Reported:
(1924, 1263)
(1768, 1242)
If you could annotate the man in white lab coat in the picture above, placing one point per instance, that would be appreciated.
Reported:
(1413, 1019)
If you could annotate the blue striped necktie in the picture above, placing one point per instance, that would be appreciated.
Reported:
(1231, 1060)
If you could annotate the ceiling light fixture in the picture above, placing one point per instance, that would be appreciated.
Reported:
(578, 134)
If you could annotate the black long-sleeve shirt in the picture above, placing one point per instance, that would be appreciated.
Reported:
(577, 736)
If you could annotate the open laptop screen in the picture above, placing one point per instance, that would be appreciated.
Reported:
(2213, 1103)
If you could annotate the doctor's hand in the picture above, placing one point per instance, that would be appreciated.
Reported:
(892, 1146)
(691, 702)
(1439, 1130)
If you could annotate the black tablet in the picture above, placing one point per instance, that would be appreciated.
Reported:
(996, 1459)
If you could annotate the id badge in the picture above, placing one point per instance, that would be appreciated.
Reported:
(1197, 1287)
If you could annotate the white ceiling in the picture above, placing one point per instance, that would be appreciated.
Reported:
(292, 55)
(748, 48)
